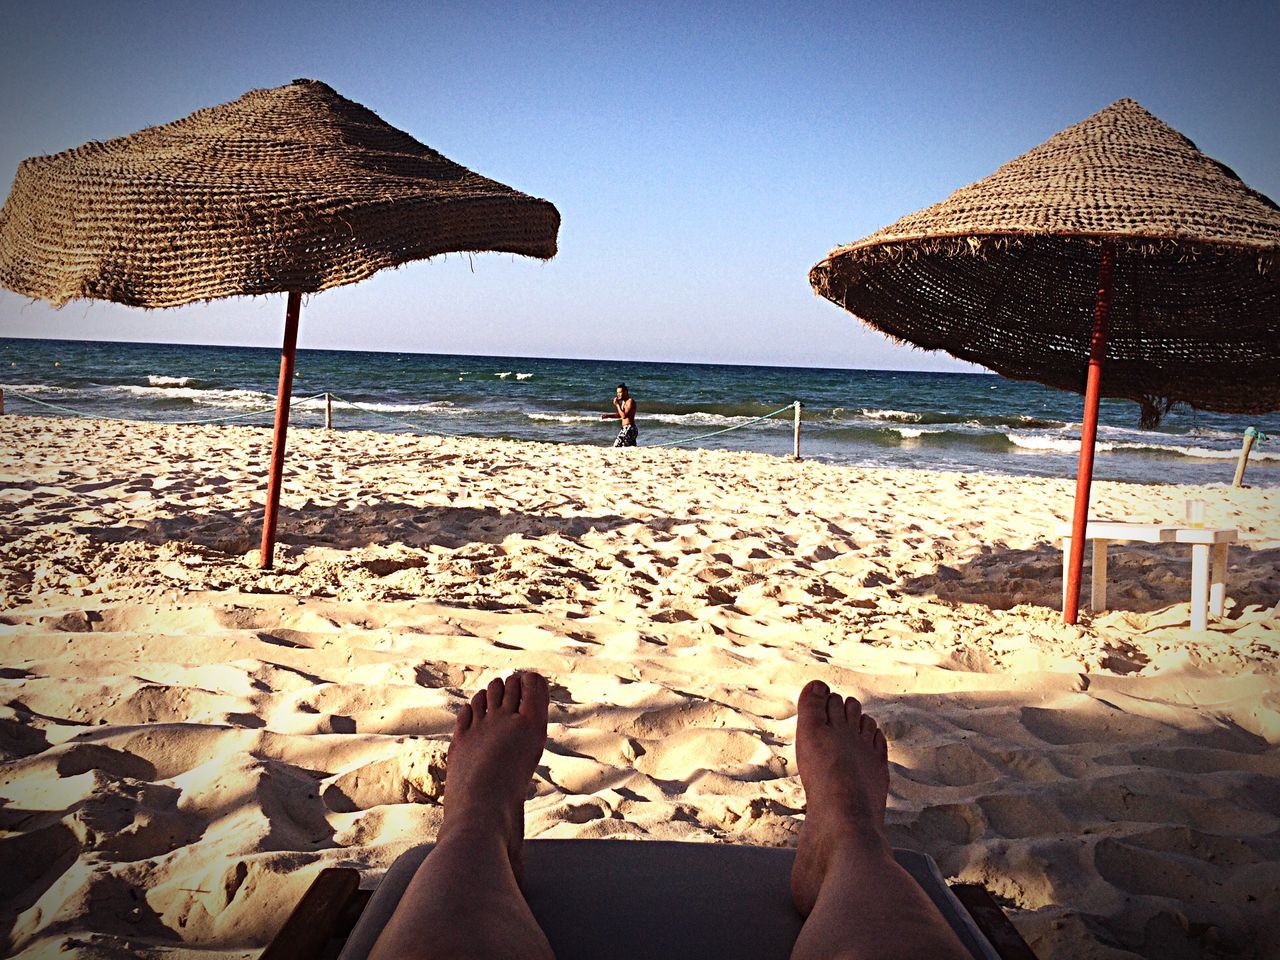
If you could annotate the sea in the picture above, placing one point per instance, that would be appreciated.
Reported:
(934, 421)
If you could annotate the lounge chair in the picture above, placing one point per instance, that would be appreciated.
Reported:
(636, 900)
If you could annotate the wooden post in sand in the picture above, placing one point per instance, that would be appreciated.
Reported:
(328, 411)
(275, 478)
(1088, 433)
(796, 451)
(1249, 436)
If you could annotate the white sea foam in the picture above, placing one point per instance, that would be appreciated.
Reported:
(1072, 445)
(423, 407)
(523, 376)
(697, 418)
(911, 433)
(561, 417)
(32, 388)
(1020, 418)
(902, 416)
(232, 399)
(1201, 453)
(158, 381)
(1059, 444)
(1207, 433)
(1106, 429)
(503, 376)
(688, 419)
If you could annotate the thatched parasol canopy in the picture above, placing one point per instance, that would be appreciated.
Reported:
(292, 189)
(1004, 273)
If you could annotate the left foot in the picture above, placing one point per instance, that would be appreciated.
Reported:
(497, 742)
(844, 768)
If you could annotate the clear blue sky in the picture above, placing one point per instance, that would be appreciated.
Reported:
(702, 159)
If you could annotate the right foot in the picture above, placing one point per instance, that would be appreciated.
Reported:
(844, 766)
(497, 742)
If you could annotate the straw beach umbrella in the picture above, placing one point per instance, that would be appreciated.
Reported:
(1115, 243)
(289, 190)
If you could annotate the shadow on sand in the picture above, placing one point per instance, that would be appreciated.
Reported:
(342, 527)
(1140, 577)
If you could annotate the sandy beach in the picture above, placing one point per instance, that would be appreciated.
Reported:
(188, 739)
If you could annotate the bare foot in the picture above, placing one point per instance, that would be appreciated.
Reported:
(497, 742)
(844, 766)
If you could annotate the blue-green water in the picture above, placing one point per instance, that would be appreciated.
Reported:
(948, 421)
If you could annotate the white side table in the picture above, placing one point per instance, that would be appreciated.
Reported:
(1208, 581)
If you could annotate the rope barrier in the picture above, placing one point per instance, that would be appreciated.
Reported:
(54, 406)
(240, 416)
(716, 433)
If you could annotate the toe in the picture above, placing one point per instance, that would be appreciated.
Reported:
(853, 711)
(882, 745)
(534, 696)
(462, 721)
(868, 725)
(511, 694)
(496, 688)
(811, 708)
(835, 709)
(479, 706)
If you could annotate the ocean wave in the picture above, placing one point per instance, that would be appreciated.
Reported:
(701, 419)
(938, 417)
(651, 408)
(523, 376)
(562, 417)
(1199, 453)
(898, 416)
(231, 399)
(1056, 444)
(913, 433)
(1026, 421)
(1207, 433)
(422, 407)
(503, 376)
(158, 381)
(34, 388)
(1072, 445)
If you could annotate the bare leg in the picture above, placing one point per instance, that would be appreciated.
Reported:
(859, 902)
(465, 899)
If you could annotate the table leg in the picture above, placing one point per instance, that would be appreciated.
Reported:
(1199, 586)
(1098, 596)
(1218, 582)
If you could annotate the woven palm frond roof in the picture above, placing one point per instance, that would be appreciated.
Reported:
(291, 188)
(1004, 272)
(1121, 173)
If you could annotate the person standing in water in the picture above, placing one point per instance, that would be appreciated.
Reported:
(624, 406)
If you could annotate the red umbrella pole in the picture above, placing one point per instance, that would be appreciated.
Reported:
(282, 426)
(1088, 435)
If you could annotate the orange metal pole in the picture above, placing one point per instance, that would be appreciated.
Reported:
(283, 393)
(1088, 434)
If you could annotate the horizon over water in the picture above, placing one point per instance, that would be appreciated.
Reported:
(924, 420)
